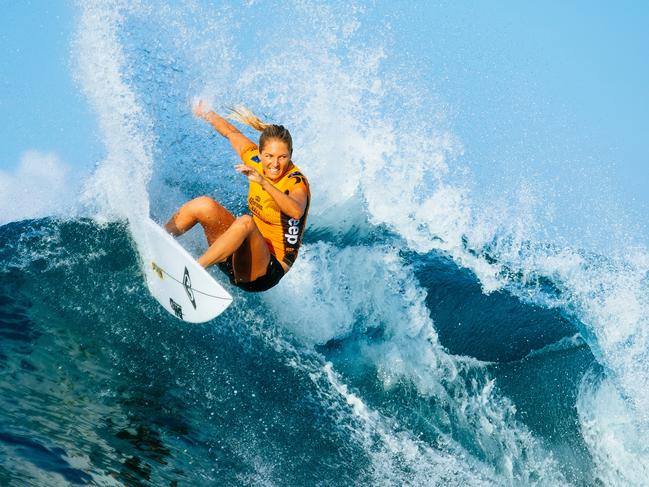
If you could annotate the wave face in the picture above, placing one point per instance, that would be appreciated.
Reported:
(419, 339)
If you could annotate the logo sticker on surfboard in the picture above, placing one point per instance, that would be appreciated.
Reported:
(187, 284)
(157, 270)
(177, 309)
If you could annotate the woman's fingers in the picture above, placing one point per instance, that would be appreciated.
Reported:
(199, 109)
(252, 175)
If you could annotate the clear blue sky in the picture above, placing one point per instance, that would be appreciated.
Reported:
(580, 68)
(547, 84)
(40, 105)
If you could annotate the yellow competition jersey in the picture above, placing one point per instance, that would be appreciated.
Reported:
(282, 233)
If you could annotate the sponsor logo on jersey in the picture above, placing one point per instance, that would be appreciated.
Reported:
(255, 206)
(293, 231)
(297, 176)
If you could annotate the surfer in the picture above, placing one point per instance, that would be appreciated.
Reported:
(255, 251)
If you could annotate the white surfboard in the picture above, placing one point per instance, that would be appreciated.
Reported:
(179, 283)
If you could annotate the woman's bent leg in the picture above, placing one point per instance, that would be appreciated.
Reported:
(242, 240)
(225, 236)
(251, 260)
(213, 217)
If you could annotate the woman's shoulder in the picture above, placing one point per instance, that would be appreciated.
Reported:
(250, 154)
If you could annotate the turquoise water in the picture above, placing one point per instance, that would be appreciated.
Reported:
(429, 333)
(101, 386)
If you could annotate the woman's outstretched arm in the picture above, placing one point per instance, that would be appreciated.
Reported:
(222, 126)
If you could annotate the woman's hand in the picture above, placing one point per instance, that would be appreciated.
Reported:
(251, 174)
(239, 141)
(200, 109)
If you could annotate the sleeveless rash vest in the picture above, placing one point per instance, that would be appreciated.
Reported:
(282, 233)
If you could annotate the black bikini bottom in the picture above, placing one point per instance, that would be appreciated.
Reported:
(274, 272)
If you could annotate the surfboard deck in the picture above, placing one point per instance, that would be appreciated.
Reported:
(174, 278)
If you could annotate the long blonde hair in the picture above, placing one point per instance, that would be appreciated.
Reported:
(268, 131)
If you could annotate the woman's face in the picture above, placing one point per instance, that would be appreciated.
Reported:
(275, 159)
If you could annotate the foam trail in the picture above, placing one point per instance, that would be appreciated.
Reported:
(608, 296)
(118, 187)
(398, 456)
(400, 459)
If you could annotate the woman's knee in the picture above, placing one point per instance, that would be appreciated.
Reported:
(203, 207)
(246, 222)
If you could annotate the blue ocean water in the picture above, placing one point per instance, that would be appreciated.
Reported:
(421, 338)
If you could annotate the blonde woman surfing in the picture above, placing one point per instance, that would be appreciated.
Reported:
(255, 251)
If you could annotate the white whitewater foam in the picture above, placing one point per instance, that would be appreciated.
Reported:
(398, 458)
(616, 442)
(339, 292)
(397, 455)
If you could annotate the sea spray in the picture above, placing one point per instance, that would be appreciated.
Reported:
(118, 188)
